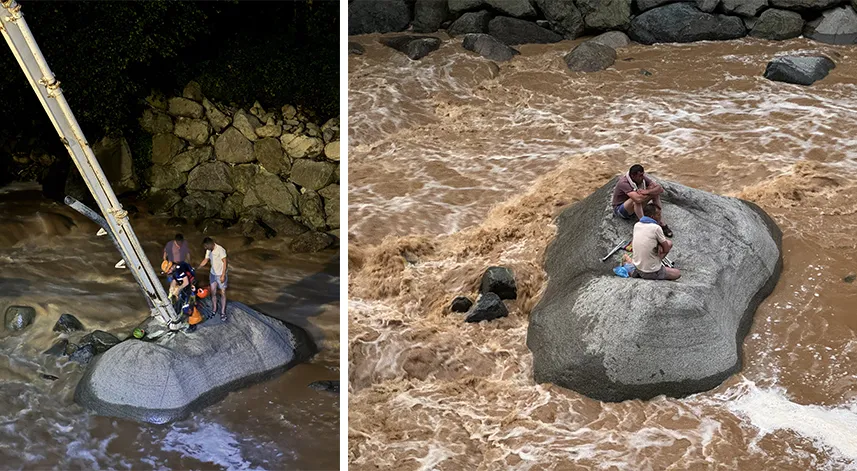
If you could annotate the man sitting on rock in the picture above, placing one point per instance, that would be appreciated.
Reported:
(650, 248)
(633, 191)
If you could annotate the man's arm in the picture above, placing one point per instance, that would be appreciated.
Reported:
(204, 261)
(637, 196)
(223, 275)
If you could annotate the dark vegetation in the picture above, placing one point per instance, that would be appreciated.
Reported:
(109, 56)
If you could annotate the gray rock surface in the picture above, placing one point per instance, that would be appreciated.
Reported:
(835, 26)
(100, 340)
(330, 194)
(165, 147)
(614, 39)
(233, 147)
(803, 5)
(778, 24)
(707, 6)
(165, 380)
(744, 7)
(590, 56)
(162, 201)
(461, 304)
(219, 121)
(82, 354)
(19, 317)
(275, 193)
(489, 306)
(683, 23)
(67, 323)
(603, 15)
(614, 338)
(187, 160)
(311, 209)
(298, 146)
(513, 31)
(310, 242)
(564, 16)
(165, 177)
(488, 47)
(415, 47)
(195, 131)
(429, 15)
(210, 176)
(644, 5)
(156, 122)
(313, 175)
(378, 16)
(199, 205)
(270, 154)
(355, 48)
(798, 70)
(246, 123)
(471, 22)
(500, 281)
(180, 106)
(242, 177)
(330, 386)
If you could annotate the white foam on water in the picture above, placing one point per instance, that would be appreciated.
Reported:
(770, 410)
(209, 443)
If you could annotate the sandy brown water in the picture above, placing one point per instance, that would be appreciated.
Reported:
(457, 166)
(50, 259)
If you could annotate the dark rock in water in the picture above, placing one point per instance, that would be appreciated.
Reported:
(489, 306)
(100, 340)
(614, 338)
(778, 25)
(564, 16)
(515, 8)
(605, 15)
(67, 323)
(70, 348)
(501, 281)
(803, 5)
(162, 201)
(212, 225)
(707, 6)
(488, 47)
(473, 22)
(355, 48)
(19, 317)
(799, 70)
(378, 16)
(58, 349)
(614, 39)
(645, 72)
(744, 7)
(461, 304)
(749, 22)
(164, 380)
(644, 5)
(83, 354)
(176, 221)
(310, 242)
(590, 56)
(513, 31)
(415, 47)
(850, 278)
(331, 386)
(50, 377)
(836, 26)
(459, 6)
(429, 15)
(683, 23)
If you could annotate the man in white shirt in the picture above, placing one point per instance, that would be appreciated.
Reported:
(650, 247)
(217, 277)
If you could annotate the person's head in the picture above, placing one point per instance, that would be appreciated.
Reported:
(208, 243)
(636, 173)
(650, 210)
(179, 238)
(168, 267)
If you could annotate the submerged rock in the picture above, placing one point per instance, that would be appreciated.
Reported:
(488, 47)
(19, 317)
(798, 70)
(415, 47)
(513, 31)
(67, 323)
(461, 304)
(614, 338)
(590, 57)
(58, 349)
(83, 354)
(488, 307)
(472, 22)
(164, 380)
(614, 39)
(355, 48)
(501, 281)
(331, 386)
(100, 340)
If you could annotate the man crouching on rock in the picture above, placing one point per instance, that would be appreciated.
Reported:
(633, 191)
(650, 248)
(217, 276)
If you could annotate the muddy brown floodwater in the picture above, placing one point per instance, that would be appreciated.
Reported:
(454, 166)
(50, 259)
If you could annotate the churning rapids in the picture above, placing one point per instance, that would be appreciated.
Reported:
(51, 260)
(455, 166)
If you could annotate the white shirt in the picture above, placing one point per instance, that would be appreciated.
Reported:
(647, 237)
(215, 257)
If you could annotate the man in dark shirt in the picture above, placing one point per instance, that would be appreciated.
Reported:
(177, 250)
(634, 190)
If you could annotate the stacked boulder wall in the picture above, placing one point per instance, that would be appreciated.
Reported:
(614, 338)
(165, 380)
(684, 23)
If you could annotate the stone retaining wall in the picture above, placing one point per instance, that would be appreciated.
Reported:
(273, 172)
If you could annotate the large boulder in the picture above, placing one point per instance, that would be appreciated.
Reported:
(488, 47)
(275, 193)
(165, 176)
(564, 16)
(19, 317)
(233, 147)
(165, 147)
(744, 7)
(707, 6)
(799, 70)
(217, 118)
(804, 5)
(180, 106)
(415, 47)
(590, 56)
(187, 160)
(605, 15)
(270, 154)
(195, 131)
(683, 23)
(514, 8)
(312, 210)
(489, 306)
(199, 205)
(330, 194)
(299, 146)
(836, 26)
(429, 15)
(313, 175)
(500, 281)
(67, 323)
(162, 201)
(210, 176)
(644, 5)
(614, 338)
(778, 24)
(246, 124)
(378, 16)
(614, 39)
(165, 380)
(514, 31)
(471, 22)
(156, 122)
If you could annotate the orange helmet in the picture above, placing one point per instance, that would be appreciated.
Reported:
(195, 317)
(202, 293)
(166, 266)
